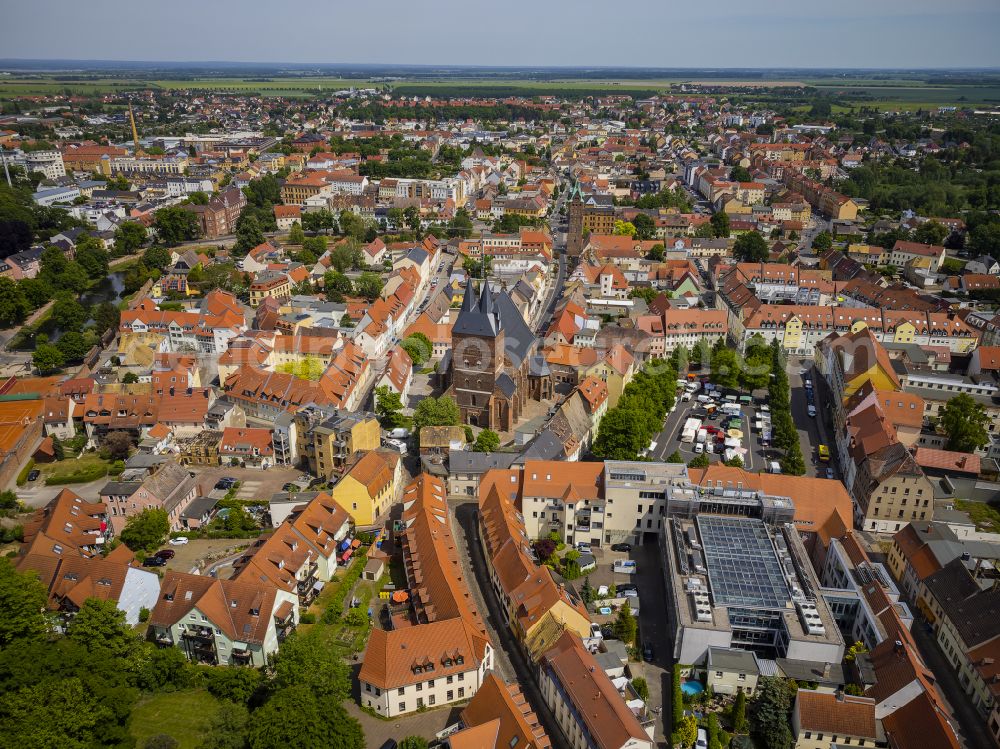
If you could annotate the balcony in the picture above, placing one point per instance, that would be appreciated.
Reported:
(164, 640)
(242, 656)
(200, 633)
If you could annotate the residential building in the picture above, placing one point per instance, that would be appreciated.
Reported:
(447, 651)
(222, 622)
(368, 488)
(499, 716)
(826, 721)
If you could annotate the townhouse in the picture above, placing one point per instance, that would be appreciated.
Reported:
(246, 446)
(170, 488)
(823, 721)
(328, 439)
(302, 553)
(368, 488)
(499, 716)
(437, 650)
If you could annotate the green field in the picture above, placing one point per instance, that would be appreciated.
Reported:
(888, 93)
(184, 715)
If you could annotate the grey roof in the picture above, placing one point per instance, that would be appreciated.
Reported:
(608, 661)
(467, 461)
(146, 460)
(490, 314)
(506, 385)
(538, 367)
(299, 498)
(199, 507)
(974, 612)
(811, 671)
(546, 446)
(472, 318)
(726, 659)
(417, 255)
(120, 488)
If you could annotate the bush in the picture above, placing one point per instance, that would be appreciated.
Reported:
(307, 618)
(143, 614)
(336, 604)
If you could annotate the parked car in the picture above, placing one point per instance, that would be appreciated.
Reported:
(34, 474)
(647, 653)
(629, 590)
(166, 553)
(702, 742)
(829, 473)
(389, 744)
(154, 561)
(226, 482)
(811, 410)
(179, 541)
(621, 547)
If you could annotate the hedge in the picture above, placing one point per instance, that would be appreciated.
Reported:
(335, 607)
(22, 477)
(80, 476)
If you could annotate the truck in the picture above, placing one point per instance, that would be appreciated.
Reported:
(690, 431)
(701, 435)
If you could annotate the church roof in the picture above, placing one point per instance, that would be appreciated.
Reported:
(477, 318)
(491, 314)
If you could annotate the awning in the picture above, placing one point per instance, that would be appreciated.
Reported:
(355, 543)
(345, 544)
(318, 585)
(346, 555)
(240, 645)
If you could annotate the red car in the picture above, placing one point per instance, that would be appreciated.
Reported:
(165, 553)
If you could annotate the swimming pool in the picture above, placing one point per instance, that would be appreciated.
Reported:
(692, 687)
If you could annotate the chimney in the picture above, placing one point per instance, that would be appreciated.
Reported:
(898, 647)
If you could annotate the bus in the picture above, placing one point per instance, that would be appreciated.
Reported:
(824, 453)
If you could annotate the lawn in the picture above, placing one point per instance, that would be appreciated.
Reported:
(183, 715)
(88, 467)
(986, 517)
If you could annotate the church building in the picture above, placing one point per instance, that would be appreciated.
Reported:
(493, 367)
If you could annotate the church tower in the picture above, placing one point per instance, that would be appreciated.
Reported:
(477, 356)
(574, 222)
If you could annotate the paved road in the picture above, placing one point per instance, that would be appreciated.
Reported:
(509, 657)
(654, 631)
(812, 431)
(971, 726)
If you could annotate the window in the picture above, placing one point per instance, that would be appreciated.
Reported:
(420, 686)
(432, 699)
(420, 702)
(450, 680)
(461, 692)
(368, 687)
(402, 707)
(450, 695)
(718, 674)
(401, 691)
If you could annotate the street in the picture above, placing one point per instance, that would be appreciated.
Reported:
(509, 658)
(654, 630)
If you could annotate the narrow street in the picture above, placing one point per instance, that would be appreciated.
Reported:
(511, 663)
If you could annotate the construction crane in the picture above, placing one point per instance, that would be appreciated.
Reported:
(135, 132)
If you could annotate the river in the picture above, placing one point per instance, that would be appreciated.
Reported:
(108, 289)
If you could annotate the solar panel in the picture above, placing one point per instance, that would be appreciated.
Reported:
(743, 569)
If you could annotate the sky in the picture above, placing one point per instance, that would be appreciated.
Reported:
(637, 33)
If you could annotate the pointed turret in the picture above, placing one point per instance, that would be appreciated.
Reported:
(485, 299)
(469, 300)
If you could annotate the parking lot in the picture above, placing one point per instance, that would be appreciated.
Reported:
(255, 483)
(811, 429)
(716, 424)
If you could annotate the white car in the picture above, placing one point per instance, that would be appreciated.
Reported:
(179, 541)
(811, 410)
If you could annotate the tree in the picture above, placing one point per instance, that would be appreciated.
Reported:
(227, 729)
(621, 435)
(92, 257)
(47, 358)
(720, 224)
(147, 530)
(931, 232)
(411, 214)
(388, 405)
(175, 224)
(645, 227)
(369, 286)
(106, 317)
(73, 346)
(100, 626)
(295, 234)
(304, 662)
(67, 313)
(156, 257)
(645, 293)
(675, 457)
(294, 716)
(726, 368)
(625, 625)
(641, 688)
(352, 225)
(22, 603)
(13, 303)
(487, 441)
(129, 237)
(965, 422)
(37, 291)
(118, 445)
(441, 411)
(624, 229)
(656, 253)
(738, 713)
(687, 733)
(740, 174)
(248, 234)
(856, 649)
(751, 248)
(822, 241)
(58, 452)
(337, 283)
(769, 714)
(699, 461)
(321, 220)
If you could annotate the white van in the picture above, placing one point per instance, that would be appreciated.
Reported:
(702, 398)
(702, 742)
(624, 566)
(699, 448)
(774, 467)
